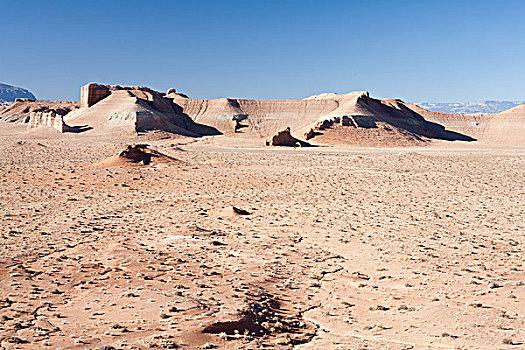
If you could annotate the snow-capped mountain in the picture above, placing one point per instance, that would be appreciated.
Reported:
(482, 107)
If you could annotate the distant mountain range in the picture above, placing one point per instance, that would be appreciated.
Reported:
(470, 107)
(9, 93)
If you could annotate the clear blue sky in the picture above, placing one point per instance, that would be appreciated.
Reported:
(425, 50)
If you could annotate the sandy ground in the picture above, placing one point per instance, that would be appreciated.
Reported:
(343, 248)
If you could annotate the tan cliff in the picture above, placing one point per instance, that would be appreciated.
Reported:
(328, 118)
(47, 119)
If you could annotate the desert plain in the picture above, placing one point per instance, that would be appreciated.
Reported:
(232, 244)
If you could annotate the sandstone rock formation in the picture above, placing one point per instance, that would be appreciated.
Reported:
(356, 121)
(47, 119)
(136, 155)
(237, 122)
(388, 122)
(505, 128)
(133, 109)
(20, 111)
(92, 93)
(285, 138)
(330, 118)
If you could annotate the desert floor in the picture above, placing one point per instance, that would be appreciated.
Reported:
(343, 248)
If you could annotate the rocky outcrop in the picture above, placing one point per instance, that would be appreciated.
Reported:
(138, 109)
(345, 118)
(133, 109)
(92, 93)
(137, 155)
(47, 119)
(356, 121)
(237, 122)
(331, 118)
(21, 110)
(285, 138)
